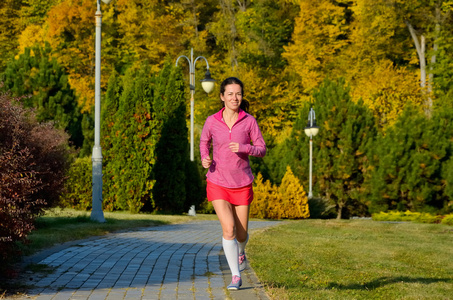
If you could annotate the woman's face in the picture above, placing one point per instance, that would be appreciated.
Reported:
(232, 97)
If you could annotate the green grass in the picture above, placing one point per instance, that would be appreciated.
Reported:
(62, 225)
(354, 259)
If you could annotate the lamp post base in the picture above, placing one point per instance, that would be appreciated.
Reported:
(192, 211)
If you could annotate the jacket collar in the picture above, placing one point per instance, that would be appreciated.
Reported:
(219, 115)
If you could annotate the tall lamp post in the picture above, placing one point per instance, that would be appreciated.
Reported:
(96, 213)
(208, 85)
(311, 130)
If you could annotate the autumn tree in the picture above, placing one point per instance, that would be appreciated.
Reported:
(387, 91)
(321, 32)
(10, 28)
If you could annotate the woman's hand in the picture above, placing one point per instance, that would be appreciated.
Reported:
(206, 162)
(234, 147)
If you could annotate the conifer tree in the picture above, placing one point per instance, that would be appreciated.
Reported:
(169, 192)
(347, 130)
(347, 133)
(109, 111)
(37, 75)
(448, 175)
(130, 146)
(410, 166)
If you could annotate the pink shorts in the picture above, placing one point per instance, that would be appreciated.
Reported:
(236, 196)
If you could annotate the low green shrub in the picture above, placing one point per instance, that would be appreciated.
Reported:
(408, 216)
(78, 186)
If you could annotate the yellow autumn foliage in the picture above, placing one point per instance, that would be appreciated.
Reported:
(387, 90)
(288, 201)
(317, 40)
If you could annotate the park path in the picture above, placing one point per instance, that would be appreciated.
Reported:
(181, 261)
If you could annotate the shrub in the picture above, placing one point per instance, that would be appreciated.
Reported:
(448, 220)
(78, 187)
(288, 201)
(321, 208)
(407, 216)
(264, 193)
(33, 161)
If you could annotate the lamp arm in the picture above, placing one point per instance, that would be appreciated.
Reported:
(188, 60)
(207, 64)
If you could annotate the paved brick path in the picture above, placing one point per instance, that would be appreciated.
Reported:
(183, 261)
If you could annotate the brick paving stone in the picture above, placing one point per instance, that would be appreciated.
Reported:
(181, 261)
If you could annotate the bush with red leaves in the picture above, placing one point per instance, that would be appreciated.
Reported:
(33, 161)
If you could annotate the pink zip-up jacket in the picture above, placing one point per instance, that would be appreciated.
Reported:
(231, 169)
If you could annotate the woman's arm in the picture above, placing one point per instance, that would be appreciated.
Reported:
(258, 148)
(205, 145)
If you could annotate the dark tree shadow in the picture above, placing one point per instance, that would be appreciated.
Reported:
(382, 281)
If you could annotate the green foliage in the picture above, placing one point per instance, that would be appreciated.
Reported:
(448, 175)
(78, 185)
(321, 209)
(410, 164)
(263, 29)
(130, 141)
(195, 191)
(340, 158)
(169, 192)
(37, 74)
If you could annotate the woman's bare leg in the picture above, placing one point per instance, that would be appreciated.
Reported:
(241, 220)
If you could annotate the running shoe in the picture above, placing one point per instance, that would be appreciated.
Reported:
(242, 262)
(235, 284)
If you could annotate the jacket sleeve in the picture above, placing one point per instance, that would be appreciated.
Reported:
(258, 148)
(205, 140)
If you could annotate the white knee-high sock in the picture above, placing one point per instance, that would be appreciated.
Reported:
(230, 247)
(241, 245)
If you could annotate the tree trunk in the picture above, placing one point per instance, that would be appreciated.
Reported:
(420, 46)
(339, 210)
(433, 57)
(229, 11)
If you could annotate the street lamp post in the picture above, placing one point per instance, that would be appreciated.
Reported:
(208, 85)
(96, 213)
(311, 130)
